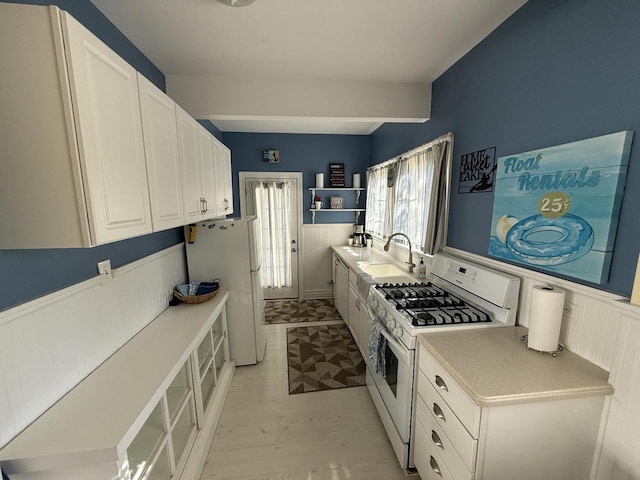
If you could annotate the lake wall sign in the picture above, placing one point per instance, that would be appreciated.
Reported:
(477, 171)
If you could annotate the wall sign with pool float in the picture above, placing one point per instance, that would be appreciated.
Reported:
(556, 209)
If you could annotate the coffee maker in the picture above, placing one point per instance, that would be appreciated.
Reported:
(359, 239)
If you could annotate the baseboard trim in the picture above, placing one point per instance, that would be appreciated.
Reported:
(324, 293)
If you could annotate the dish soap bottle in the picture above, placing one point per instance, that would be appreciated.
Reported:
(421, 270)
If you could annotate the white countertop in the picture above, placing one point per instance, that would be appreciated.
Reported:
(494, 367)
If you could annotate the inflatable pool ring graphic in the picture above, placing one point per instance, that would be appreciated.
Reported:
(503, 225)
(539, 240)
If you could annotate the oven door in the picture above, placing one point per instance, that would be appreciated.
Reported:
(396, 387)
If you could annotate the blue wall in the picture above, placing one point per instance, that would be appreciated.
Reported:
(554, 72)
(309, 154)
(28, 274)
(213, 130)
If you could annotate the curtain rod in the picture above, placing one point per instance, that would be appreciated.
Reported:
(448, 137)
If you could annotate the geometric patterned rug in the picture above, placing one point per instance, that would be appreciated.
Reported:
(323, 357)
(294, 311)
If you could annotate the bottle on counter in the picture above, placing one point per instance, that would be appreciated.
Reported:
(421, 269)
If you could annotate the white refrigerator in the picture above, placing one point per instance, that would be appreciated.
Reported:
(232, 251)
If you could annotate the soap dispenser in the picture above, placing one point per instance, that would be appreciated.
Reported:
(421, 271)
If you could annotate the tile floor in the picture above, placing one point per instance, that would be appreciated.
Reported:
(267, 434)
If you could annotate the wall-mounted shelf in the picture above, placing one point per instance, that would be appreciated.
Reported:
(357, 211)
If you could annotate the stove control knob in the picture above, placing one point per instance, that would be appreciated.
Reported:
(391, 324)
(397, 332)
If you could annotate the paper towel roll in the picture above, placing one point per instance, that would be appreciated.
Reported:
(547, 306)
(319, 180)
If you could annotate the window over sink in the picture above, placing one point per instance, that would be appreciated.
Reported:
(410, 194)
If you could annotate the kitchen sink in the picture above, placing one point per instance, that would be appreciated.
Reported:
(382, 270)
(396, 279)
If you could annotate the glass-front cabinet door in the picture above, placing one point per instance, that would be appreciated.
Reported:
(147, 445)
(181, 410)
(160, 449)
(209, 359)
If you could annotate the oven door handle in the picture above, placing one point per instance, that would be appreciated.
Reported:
(400, 350)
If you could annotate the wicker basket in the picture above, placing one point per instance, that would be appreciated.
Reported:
(195, 298)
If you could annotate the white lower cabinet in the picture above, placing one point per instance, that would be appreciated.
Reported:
(341, 288)
(146, 413)
(455, 439)
(209, 359)
(359, 321)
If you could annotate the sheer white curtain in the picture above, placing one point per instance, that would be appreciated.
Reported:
(410, 194)
(381, 196)
(272, 200)
(413, 199)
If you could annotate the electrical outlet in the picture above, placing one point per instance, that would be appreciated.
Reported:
(104, 268)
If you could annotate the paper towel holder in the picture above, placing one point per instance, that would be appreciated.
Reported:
(555, 353)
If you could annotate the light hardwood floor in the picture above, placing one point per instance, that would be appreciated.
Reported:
(267, 434)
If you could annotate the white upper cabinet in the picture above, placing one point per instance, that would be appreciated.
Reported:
(198, 174)
(190, 158)
(208, 172)
(74, 172)
(104, 90)
(160, 133)
(91, 151)
(224, 201)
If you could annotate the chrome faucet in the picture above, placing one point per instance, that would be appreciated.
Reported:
(410, 262)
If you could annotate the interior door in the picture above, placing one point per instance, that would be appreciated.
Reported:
(275, 198)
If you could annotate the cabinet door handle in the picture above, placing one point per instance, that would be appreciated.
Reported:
(435, 438)
(440, 383)
(206, 205)
(438, 412)
(434, 466)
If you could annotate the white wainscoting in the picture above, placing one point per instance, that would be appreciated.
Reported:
(605, 329)
(316, 255)
(47, 346)
(619, 456)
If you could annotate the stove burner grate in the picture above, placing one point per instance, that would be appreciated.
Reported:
(446, 316)
(429, 305)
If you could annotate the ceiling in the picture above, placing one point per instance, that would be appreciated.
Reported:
(351, 43)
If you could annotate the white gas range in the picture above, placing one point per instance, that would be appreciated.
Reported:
(458, 295)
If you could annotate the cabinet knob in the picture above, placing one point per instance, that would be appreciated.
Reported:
(440, 383)
(434, 466)
(435, 438)
(437, 411)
